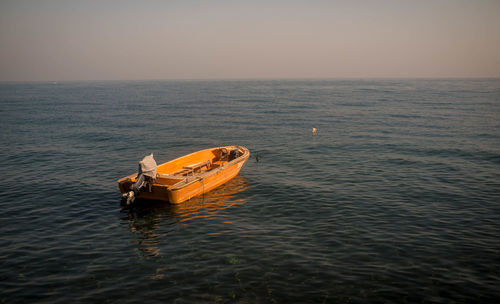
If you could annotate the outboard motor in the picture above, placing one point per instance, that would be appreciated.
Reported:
(233, 154)
(146, 177)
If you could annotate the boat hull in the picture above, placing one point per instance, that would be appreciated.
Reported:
(177, 189)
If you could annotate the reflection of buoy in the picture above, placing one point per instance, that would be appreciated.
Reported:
(315, 131)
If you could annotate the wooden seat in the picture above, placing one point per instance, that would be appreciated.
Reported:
(192, 168)
(197, 166)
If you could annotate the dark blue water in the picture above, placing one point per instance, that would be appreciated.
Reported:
(395, 200)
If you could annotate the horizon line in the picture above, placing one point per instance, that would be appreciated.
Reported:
(55, 81)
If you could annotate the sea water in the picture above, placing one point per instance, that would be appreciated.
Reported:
(396, 199)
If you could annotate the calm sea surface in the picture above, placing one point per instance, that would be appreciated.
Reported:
(395, 200)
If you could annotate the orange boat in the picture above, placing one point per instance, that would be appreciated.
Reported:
(185, 177)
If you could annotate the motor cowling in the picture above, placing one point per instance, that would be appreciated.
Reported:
(146, 177)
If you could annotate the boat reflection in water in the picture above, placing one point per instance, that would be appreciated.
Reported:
(151, 220)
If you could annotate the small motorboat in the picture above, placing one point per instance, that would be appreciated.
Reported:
(185, 177)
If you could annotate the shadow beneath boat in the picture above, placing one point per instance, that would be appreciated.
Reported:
(153, 218)
(221, 198)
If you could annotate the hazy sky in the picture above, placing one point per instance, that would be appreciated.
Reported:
(168, 39)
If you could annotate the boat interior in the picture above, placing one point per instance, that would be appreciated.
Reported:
(196, 164)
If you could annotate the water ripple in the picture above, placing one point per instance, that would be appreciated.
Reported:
(394, 200)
